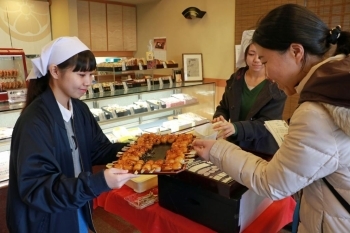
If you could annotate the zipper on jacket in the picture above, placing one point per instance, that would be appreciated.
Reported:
(82, 170)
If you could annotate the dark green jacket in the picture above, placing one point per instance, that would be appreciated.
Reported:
(251, 133)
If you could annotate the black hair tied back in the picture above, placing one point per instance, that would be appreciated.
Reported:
(334, 35)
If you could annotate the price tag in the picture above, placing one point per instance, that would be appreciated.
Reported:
(17, 95)
(148, 82)
(160, 81)
(125, 85)
(100, 88)
(164, 64)
(123, 66)
(148, 108)
(140, 66)
(111, 86)
(90, 91)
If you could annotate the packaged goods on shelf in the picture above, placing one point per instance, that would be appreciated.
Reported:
(144, 104)
(158, 130)
(116, 111)
(99, 114)
(176, 125)
(187, 99)
(5, 132)
(172, 102)
(157, 104)
(126, 135)
(137, 108)
(192, 117)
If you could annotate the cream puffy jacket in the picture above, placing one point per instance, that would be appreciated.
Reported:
(317, 145)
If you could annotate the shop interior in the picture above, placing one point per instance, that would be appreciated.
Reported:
(134, 93)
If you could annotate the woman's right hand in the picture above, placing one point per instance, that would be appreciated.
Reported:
(218, 119)
(116, 178)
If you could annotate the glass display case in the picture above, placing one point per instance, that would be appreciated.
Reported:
(141, 107)
(13, 71)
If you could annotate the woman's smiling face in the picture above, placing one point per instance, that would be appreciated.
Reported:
(282, 67)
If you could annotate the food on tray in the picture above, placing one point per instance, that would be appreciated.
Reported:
(138, 157)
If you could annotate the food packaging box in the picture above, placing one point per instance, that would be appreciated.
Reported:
(143, 183)
(194, 118)
(157, 104)
(172, 102)
(205, 131)
(187, 99)
(177, 125)
(123, 113)
(160, 130)
(126, 135)
(142, 200)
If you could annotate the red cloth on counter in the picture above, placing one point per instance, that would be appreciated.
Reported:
(155, 219)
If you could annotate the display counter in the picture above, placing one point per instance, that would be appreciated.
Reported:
(156, 219)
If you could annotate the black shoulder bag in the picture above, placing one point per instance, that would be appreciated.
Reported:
(342, 201)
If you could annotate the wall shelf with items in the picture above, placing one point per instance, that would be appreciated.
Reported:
(111, 78)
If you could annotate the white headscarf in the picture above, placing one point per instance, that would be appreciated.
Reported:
(246, 41)
(55, 52)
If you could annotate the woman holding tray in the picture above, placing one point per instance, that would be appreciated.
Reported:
(314, 156)
(55, 142)
(248, 101)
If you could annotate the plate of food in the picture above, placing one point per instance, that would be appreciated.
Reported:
(155, 154)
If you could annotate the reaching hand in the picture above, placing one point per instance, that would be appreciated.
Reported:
(218, 119)
(224, 128)
(116, 178)
(202, 147)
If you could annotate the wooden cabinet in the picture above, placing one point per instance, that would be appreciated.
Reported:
(129, 28)
(107, 26)
(98, 26)
(115, 27)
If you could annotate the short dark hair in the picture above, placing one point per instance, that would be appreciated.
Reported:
(83, 61)
(246, 53)
(292, 23)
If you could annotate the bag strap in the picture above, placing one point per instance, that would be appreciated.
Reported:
(342, 201)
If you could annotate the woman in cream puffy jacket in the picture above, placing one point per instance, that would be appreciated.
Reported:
(291, 42)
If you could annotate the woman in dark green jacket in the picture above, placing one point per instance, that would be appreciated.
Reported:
(249, 100)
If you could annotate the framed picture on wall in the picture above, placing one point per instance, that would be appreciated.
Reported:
(192, 64)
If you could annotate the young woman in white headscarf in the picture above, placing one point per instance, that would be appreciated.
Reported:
(55, 142)
(248, 101)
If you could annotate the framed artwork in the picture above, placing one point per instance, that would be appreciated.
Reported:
(192, 64)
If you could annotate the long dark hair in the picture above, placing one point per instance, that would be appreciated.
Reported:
(292, 23)
(83, 61)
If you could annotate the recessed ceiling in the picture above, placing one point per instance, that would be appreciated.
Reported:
(135, 2)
